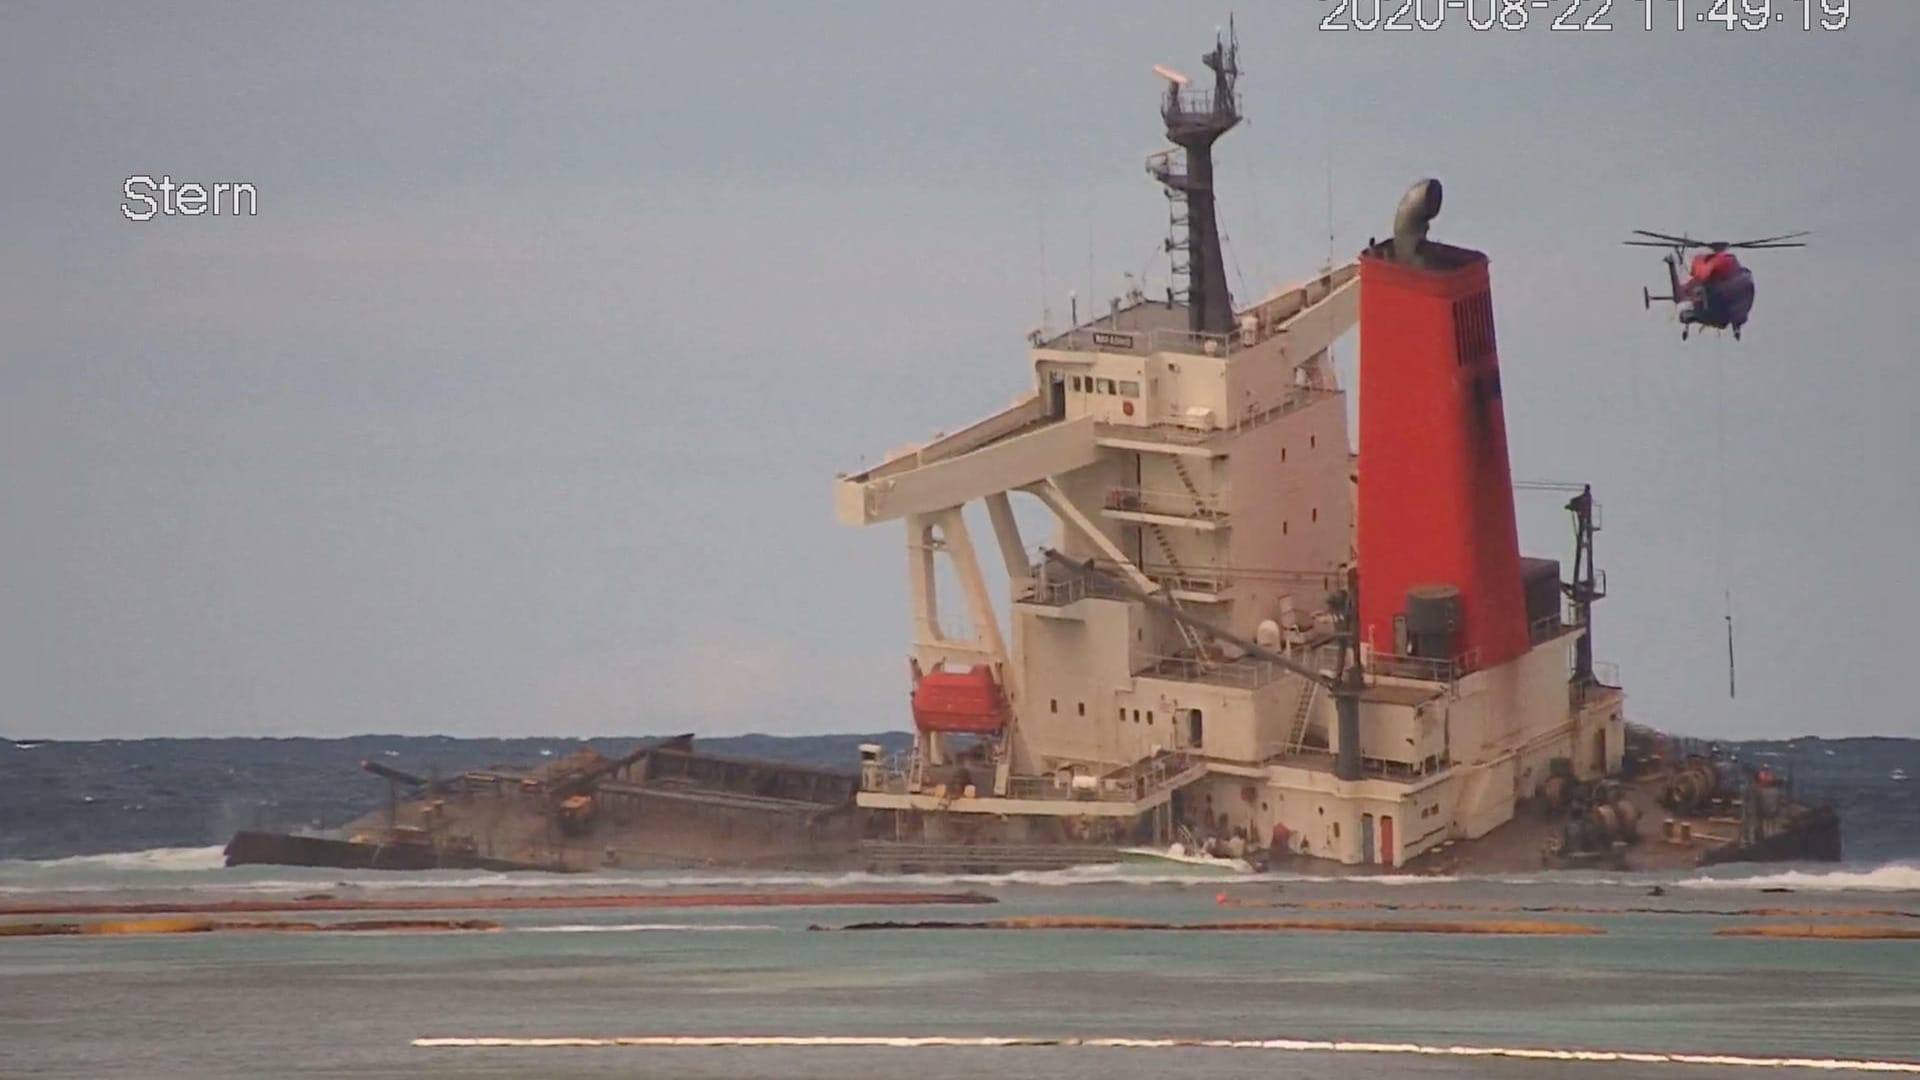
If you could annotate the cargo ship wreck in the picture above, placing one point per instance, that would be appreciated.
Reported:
(1245, 638)
(664, 804)
(1242, 629)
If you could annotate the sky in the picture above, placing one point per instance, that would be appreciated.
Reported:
(516, 407)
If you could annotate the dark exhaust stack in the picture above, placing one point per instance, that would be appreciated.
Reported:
(1418, 207)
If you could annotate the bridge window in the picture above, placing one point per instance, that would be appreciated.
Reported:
(1130, 389)
(1149, 716)
(1083, 708)
(1105, 385)
(1053, 705)
(1316, 513)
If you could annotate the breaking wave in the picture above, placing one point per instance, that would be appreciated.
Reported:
(154, 859)
(1298, 1046)
(204, 867)
(1893, 877)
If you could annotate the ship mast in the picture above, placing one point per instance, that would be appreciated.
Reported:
(1195, 120)
(1587, 586)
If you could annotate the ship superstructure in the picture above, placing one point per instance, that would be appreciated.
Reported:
(1243, 628)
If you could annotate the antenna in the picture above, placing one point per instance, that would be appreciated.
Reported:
(1046, 309)
(1170, 75)
(1729, 597)
(1328, 268)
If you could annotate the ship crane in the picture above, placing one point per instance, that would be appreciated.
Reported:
(1344, 685)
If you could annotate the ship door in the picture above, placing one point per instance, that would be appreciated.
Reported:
(1386, 840)
(1366, 838)
(1057, 396)
(1600, 752)
(1194, 728)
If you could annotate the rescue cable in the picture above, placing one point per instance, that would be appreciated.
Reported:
(1720, 558)
(1730, 693)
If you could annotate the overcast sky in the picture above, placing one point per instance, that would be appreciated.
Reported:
(516, 408)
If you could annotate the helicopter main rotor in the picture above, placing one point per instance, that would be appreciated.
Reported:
(1687, 243)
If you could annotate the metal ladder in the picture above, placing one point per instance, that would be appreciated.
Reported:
(1202, 506)
(1302, 713)
(1170, 168)
(1188, 634)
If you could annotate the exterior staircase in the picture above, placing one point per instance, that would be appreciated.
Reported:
(1201, 504)
(1302, 715)
(1195, 643)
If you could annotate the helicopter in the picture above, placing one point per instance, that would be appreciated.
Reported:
(1718, 291)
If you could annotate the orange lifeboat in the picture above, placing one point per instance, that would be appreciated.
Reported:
(959, 702)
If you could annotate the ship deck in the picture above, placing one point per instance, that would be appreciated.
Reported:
(1517, 846)
(728, 800)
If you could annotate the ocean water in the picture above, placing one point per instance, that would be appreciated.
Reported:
(1657, 986)
(80, 798)
(1294, 1004)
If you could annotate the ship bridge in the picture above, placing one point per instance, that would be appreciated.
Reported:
(1126, 438)
(1063, 423)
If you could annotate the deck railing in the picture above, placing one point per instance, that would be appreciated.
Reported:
(1059, 592)
(1175, 433)
(1197, 104)
(1110, 339)
(1246, 673)
(1133, 783)
(1423, 668)
(1179, 504)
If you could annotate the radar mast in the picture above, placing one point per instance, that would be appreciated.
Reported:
(1195, 120)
